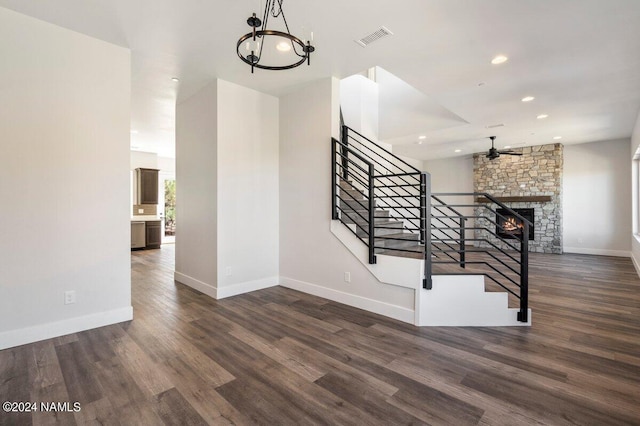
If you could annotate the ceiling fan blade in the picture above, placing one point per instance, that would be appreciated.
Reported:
(510, 153)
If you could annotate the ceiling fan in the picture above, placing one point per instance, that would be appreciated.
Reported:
(494, 153)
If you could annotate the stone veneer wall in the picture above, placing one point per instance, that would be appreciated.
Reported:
(537, 172)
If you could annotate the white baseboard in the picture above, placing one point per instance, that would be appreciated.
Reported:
(375, 306)
(226, 291)
(202, 287)
(247, 287)
(597, 252)
(23, 336)
(635, 264)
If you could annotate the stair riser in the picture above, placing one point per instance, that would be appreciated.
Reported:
(398, 244)
(380, 232)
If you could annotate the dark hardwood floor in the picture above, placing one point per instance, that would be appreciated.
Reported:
(280, 357)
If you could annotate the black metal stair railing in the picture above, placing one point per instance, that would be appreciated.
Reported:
(371, 178)
(504, 261)
(388, 205)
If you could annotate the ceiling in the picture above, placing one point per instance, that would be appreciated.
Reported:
(579, 58)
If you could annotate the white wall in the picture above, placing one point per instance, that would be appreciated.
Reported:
(227, 190)
(248, 225)
(596, 202)
(197, 190)
(635, 239)
(311, 257)
(359, 102)
(64, 181)
(453, 175)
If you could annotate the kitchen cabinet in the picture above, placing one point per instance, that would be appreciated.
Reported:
(138, 234)
(153, 231)
(147, 186)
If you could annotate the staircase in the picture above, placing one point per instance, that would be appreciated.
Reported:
(388, 206)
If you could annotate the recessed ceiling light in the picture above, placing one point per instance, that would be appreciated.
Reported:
(500, 59)
(458, 150)
(176, 79)
(134, 132)
(283, 46)
(507, 146)
(542, 116)
(557, 137)
(422, 137)
(481, 84)
(528, 99)
(419, 143)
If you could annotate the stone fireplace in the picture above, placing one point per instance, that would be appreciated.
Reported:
(532, 181)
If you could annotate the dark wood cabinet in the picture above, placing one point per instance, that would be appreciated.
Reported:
(147, 186)
(153, 234)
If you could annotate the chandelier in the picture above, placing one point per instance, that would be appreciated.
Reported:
(251, 52)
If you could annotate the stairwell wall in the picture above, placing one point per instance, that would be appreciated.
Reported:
(311, 257)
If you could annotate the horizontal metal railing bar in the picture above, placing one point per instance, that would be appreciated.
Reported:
(473, 262)
(345, 157)
(358, 145)
(353, 232)
(504, 240)
(449, 255)
(384, 237)
(392, 175)
(394, 196)
(360, 170)
(435, 197)
(392, 154)
(383, 189)
(487, 229)
(353, 210)
(354, 152)
(340, 175)
(439, 250)
(405, 185)
(484, 240)
(488, 196)
(403, 207)
(366, 199)
(366, 231)
(405, 217)
(397, 249)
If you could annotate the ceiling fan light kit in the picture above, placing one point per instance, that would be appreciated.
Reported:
(494, 153)
(260, 32)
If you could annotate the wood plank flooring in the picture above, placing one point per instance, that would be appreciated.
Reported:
(280, 357)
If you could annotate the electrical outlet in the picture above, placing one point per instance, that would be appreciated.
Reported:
(347, 277)
(69, 297)
(228, 271)
(140, 211)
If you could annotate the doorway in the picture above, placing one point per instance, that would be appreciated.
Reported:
(168, 209)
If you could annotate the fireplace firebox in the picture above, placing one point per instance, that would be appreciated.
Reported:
(510, 226)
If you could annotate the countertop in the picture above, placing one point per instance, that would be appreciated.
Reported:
(144, 218)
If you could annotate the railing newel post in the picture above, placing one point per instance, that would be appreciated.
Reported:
(463, 253)
(334, 208)
(524, 274)
(372, 215)
(425, 191)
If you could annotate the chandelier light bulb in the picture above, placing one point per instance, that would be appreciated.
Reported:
(283, 46)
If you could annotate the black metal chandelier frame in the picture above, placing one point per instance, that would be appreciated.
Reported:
(253, 59)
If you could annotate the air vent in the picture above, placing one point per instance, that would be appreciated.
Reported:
(374, 36)
(493, 126)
